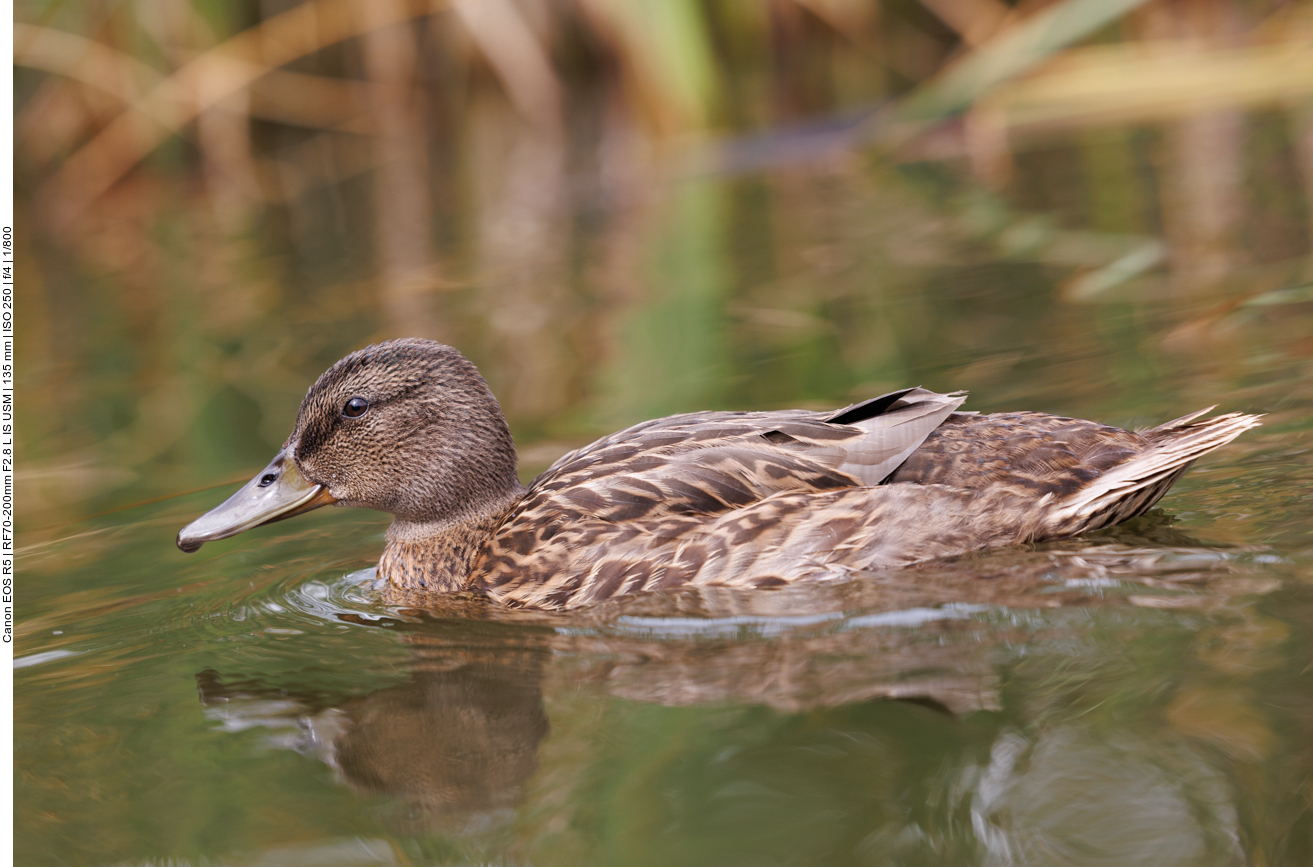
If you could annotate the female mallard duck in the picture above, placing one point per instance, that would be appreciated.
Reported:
(741, 499)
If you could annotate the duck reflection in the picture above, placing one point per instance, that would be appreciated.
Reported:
(875, 721)
(456, 740)
(449, 742)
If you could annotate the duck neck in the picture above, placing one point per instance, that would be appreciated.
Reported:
(439, 556)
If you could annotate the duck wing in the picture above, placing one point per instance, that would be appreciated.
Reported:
(765, 452)
(696, 467)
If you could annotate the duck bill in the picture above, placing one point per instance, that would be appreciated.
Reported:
(278, 491)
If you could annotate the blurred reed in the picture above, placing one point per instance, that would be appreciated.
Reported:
(225, 197)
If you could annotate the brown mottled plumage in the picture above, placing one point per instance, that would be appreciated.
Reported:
(738, 499)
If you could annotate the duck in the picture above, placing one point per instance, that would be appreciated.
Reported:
(718, 498)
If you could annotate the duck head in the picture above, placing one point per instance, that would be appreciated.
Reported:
(406, 426)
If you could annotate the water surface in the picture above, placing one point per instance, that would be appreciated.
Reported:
(1141, 696)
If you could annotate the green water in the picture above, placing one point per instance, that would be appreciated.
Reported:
(1142, 696)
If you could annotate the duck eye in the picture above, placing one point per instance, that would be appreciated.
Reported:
(355, 407)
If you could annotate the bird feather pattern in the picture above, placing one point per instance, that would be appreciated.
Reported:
(708, 499)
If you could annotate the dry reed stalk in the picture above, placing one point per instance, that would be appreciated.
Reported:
(854, 20)
(403, 219)
(224, 70)
(667, 57)
(1151, 82)
(281, 95)
(1008, 55)
(521, 63)
(83, 60)
(974, 20)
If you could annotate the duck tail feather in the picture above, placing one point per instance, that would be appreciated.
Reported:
(1184, 420)
(1133, 487)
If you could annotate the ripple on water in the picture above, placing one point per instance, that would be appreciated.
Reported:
(297, 605)
(303, 605)
(111, 633)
